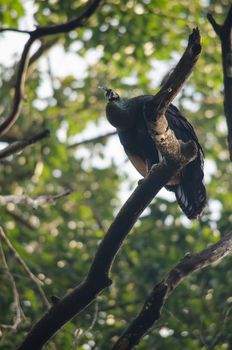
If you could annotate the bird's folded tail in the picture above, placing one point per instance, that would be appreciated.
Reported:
(192, 200)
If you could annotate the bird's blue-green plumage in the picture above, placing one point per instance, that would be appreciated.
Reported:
(128, 116)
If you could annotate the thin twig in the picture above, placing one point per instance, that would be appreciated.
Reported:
(30, 274)
(93, 140)
(19, 218)
(32, 202)
(78, 336)
(222, 327)
(44, 47)
(19, 314)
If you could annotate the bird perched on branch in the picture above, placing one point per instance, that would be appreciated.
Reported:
(128, 117)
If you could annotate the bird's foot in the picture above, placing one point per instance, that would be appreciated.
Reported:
(140, 182)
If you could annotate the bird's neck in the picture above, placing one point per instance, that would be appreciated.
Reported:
(121, 113)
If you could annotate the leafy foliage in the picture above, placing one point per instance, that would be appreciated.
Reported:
(123, 45)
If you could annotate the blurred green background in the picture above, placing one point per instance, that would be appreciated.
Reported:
(128, 45)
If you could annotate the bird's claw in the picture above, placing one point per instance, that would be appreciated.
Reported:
(140, 182)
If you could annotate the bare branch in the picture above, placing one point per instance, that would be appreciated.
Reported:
(152, 307)
(24, 61)
(181, 72)
(78, 336)
(97, 278)
(19, 315)
(225, 321)
(18, 146)
(224, 33)
(19, 89)
(18, 217)
(176, 158)
(32, 277)
(215, 25)
(93, 140)
(14, 30)
(32, 202)
(155, 111)
(45, 46)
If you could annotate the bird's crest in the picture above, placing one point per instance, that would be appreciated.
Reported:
(110, 95)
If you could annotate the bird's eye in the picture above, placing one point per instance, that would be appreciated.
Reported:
(112, 95)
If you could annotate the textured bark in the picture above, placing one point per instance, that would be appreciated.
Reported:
(224, 33)
(152, 307)
(176, 157)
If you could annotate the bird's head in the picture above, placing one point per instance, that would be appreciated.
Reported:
(118, 111)
(110, 94)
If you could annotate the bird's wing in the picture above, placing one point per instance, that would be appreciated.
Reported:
(139, 163)
(181, 126)
(139, 147)
(190, 192)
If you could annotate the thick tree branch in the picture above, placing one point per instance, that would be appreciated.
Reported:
(181, 72)
(14, 30)
(163, 136)
(98, 278)
(152, 307)
(18, 146)
(224, 33)
(24, 61)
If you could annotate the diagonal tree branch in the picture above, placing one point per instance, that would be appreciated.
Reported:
(153, 305)
(14, 30)
(181, 72)
(224, 33)
(18, 89)
(18, 146)
(19, 315)
(32, 202)
(44, 46)
(155, 111)
(24, 61)
(98, 278)
(32, 277)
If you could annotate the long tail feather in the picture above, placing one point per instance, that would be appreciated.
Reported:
(190, 192)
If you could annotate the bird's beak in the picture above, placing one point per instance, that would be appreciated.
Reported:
(110, 94)
(103, 88)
